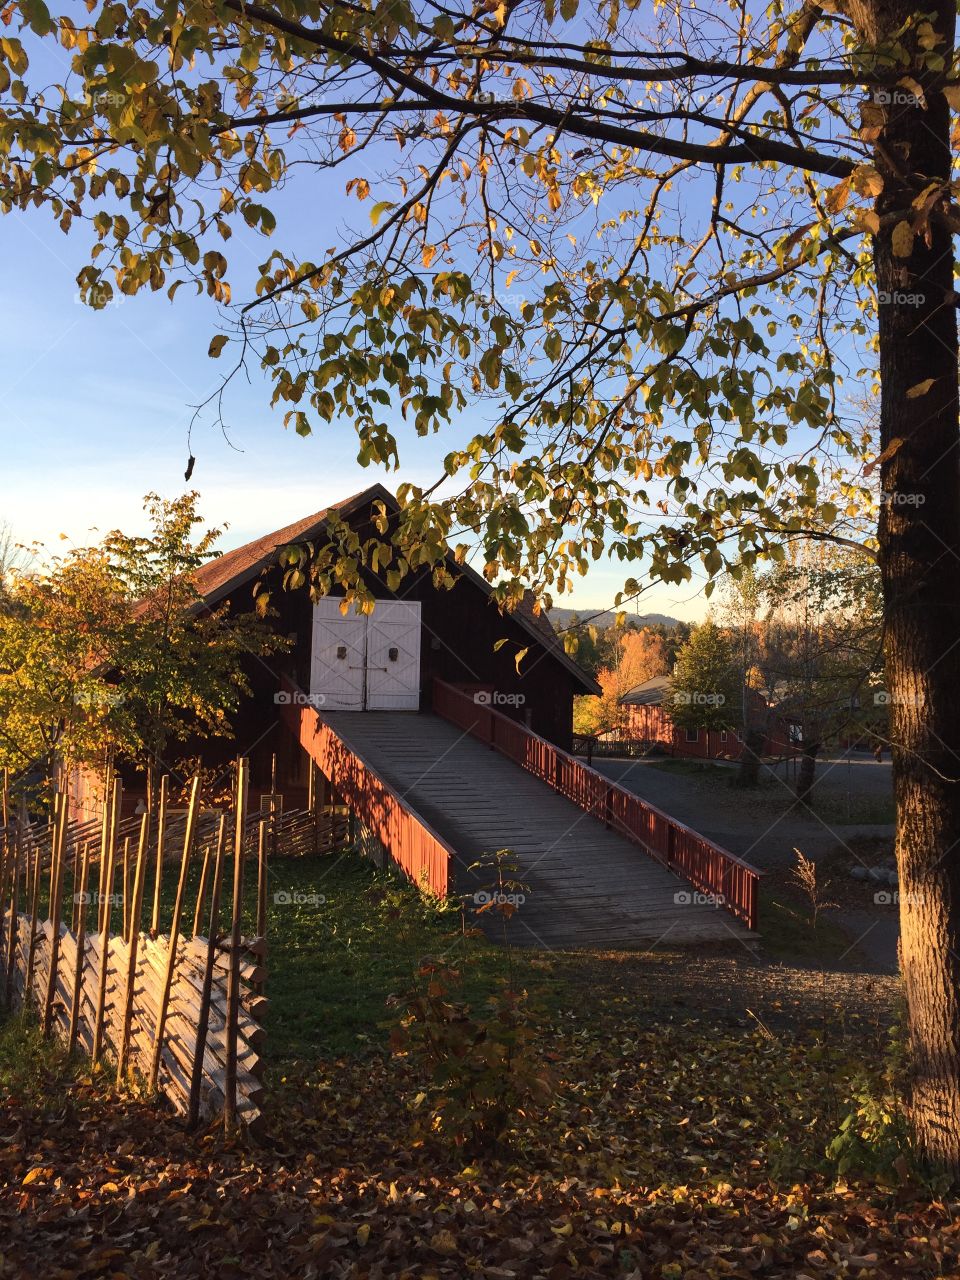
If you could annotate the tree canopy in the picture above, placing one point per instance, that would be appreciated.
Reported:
(104, 652)
(633, 259)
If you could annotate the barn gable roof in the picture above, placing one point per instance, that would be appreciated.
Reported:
(650, 693)
(219, 577)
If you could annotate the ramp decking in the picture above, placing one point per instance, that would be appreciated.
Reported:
(588, 886)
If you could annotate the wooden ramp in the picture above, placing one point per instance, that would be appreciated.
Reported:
(588, 886)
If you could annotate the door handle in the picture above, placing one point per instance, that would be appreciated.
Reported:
(393, 654)
(341, 651)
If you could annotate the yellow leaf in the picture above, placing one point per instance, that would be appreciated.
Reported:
(429, 252)
(920, 388)
(217, 344)
(866, 181)
(35, 1174)
(363, 1234)
(902, 240)
(838, 196)
(952, 94)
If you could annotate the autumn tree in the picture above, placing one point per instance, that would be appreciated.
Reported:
(706, 683)
(181, 663)
(644, 246)
(637, 655)
(58, 629)
(109, 653)
(820, 650)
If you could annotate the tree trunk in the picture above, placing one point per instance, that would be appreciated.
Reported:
(749, 772)
(808, 771)
(919, 536)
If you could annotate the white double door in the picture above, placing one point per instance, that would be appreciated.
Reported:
(366, 662)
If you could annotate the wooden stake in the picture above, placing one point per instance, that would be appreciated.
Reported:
(105, 921)
(80, 892)
(161, 836)
(133, 941)
(108, 844)
(126, 890)
(196, 1076)
(6, 798)
(188, 836)
(5, 858)
(202, 891)
(262, 881)
(14, 918)
(34, 909)
(104, 835)
(56, 897)
(233, 976)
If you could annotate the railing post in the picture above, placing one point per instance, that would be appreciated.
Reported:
(671, 833)
(608, 808)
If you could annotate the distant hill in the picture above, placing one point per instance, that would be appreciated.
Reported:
(561, 618)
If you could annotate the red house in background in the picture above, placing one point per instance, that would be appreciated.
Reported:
(647, 718)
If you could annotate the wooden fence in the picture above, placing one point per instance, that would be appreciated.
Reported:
(188, 1017)
(709, 868)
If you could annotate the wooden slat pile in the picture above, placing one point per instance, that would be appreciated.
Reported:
(190, 1023)
(74, 1008)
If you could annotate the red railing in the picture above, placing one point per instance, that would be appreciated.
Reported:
(727, 879)
(409, 840)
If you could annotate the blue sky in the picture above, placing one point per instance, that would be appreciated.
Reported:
(98, 407)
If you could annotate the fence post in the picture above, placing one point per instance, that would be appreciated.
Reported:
(161, 835)
(34, 910)
(174, 937)
(133, 942)
(233, 976)
(56, 884)
(81, 934)
(202, 888)
(106, 894)
(12, 939)
(196, 1075)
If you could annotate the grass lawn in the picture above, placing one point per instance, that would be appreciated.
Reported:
(345, 936)
(771, 796)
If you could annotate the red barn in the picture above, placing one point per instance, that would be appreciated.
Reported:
(648, 719)
(386, 660)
